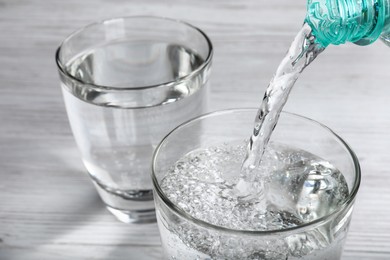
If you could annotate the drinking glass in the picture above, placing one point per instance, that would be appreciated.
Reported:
(186, 234)
(126, 83)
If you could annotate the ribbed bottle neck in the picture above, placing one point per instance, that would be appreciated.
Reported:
(340, 21)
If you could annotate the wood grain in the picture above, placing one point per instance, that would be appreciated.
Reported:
(48, 207)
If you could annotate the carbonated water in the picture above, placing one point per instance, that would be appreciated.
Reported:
(291, 187)
(303, 50)
(246, 187)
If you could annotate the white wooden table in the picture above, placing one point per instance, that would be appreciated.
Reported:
(48, 206)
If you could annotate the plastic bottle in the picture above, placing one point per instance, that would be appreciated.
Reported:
(340, 21)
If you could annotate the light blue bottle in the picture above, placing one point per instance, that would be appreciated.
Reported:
(340, 21)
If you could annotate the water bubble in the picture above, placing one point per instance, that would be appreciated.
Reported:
(289, 188)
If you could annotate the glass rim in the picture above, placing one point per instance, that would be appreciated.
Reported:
(192, 74)
(348, 201)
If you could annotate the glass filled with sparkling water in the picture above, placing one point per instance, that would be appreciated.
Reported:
(126, 83)
(296, 204)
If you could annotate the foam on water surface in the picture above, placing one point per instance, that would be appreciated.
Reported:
(289, 188)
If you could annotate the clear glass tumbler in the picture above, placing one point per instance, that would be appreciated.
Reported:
(302, 212)
(126, 83)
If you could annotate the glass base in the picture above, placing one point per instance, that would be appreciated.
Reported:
(135, 216)
(130, 206)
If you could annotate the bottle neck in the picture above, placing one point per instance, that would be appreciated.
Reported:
(340, 21)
